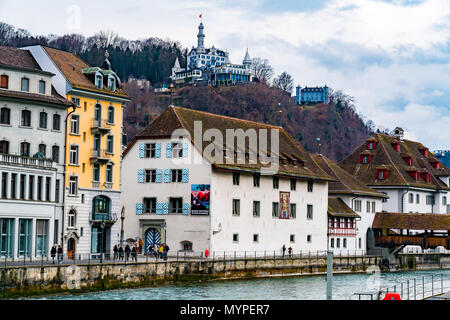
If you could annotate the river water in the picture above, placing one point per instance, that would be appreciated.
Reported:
(295, 288)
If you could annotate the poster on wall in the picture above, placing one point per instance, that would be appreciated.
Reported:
(200, 199)
(284, 205)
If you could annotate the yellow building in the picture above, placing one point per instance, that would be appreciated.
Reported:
(91, 223)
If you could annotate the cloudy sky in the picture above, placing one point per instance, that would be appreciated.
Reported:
(393, 56)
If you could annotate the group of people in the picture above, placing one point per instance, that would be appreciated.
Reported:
(55, 251)
(121, 253)
(289, 251)
(159, 250)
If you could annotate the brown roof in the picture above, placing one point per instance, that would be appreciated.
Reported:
(177, 117)
(385, 156)
(71, 66)
(411, 221)
(55, 98)
(346, 183)
(18, 58)
(338, 208)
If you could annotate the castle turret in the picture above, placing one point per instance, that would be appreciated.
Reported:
(247, 61)
(200, 37)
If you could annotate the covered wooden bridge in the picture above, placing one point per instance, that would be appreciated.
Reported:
(428, 230)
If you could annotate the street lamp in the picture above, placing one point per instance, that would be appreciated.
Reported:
(165, 239)
(171, 94)
(102, 243)
(318, 141)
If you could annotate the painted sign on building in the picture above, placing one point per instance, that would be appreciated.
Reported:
(200, 199)
(284, 205)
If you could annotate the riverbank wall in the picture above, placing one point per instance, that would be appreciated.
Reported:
(23, 281)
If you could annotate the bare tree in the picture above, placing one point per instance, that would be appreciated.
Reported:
(284, 82)
(104, 39)
(261, 69)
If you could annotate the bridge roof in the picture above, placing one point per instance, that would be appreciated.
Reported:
(411, 221)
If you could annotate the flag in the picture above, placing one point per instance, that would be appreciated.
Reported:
(200, 16)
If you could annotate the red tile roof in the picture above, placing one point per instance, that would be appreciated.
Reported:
(411, 221)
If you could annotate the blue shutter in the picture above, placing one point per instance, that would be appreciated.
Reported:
(140, 173)
(141, 150)
(139, 208)
(186, 207)
(159, 178)
(167, 175)
(185, 149)
(158, 150)
(158, 208)
(169, 150)
(165, 208)
(185, 175)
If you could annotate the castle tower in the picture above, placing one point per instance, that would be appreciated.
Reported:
(247, 61)
(200, 37)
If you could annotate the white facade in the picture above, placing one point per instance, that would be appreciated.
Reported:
(221, 230)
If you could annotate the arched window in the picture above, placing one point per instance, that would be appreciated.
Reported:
(4, 146)
(4, 81)
(43, 120)
(25, 149)
(43, 149)
(110, 117)
(25, 84)
(112, 84)
(186, 245)
(55, 153)
(26, 118)
(56, 122)
(71, 218)
(99, 81)
(5, 115)
(97, 112)
(101, 205)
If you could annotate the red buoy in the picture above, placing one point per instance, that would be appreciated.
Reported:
(207, 253)
(392, 296)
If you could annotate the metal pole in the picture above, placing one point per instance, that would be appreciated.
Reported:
(415, 297)
(423, 287)
(432, 285)
(407, 286)
(442, 284)
(329, 274)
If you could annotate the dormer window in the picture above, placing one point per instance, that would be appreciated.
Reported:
(99, 81)
(414, 174)
(365, 158)
(426, 176)
(424, 151)
(409, 160)
(435, 164)
(396, 145)
(382, 173)
(371, 145)
(112, 84)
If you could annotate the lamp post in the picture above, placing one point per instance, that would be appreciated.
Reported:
(165, 239)
(171, 95)
(102, 242)
(280, 112)
(318, 141)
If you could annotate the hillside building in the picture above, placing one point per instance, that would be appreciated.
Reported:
(176, 191)
(92, 208)
(32, 142)
(311, 95)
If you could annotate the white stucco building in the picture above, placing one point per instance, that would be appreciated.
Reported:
(195, 202)
(32, 144)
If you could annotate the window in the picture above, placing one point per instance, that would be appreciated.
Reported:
(236, 176)
(358, 205)
(384, 199)
(309, 238)
(76, 101)
(4, 184)
(25, 84)
(110, 144)
(344, 243)
(99, 81)
(186, 245)
(25, 149)
(255, 237)
(56, 122)
(75, 124)
(96, 172)
(71, 218)
(177, 150)
(430, 200)
(101, 205)
(236, 207)
(110, 117)
(41, 237)
(177, 175)
(55, 153)
(332, 243)
(48, 185)
(4, 81)
(292, 238)
(256, 179)
(25, 236)
(417, 198)
(235, 237)
(150, 175)
(359, 243)
(176, 205)
(31, 187)
(276, 182)
(309, 212)
(112, 84)
(97, 113)
(42, 149)
(57, 190)
(13, 185)
(41, 86)
(310, 185)
(444, 200)
(150, 205)
(373, 207)
(411, 198)
(73, 185)
(293, 207)
(26, 118)
(367, 206)
(256, 208)
(293, 184)
(275, 209)
(338, 243)
(109, 173)
(4, 146)
(39, 188)
(5, 115)
(73, 155)
(150, 150)
(22, 186)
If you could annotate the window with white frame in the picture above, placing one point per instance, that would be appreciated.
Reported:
(150, 205)
(109, 173)
(150, 175)
(177, 150)
(358, 205)
(177, 175)
(73, 154)
(236, 210)
(71, 218)
(110, 144)
(150, 150)
(75, 124)
(73, 185)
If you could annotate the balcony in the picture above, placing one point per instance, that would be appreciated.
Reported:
(100, 126)
(16, 160)
(103, 217)
(349, 232)
(99, 156)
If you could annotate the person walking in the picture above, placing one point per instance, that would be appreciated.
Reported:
(60, 254)
(127, 252)
(161, 250)
(166, 251)
(141, 246)
(290, 251)
(284, 249)
(134, 254)
(116, 251)
(156, 249)
(120, 253)
(53, 253)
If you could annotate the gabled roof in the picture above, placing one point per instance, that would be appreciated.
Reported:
(384, 155)
(20, 59)
(411, 221)
(338, 208)
(182, 118)
(346, 183)
(72, 67)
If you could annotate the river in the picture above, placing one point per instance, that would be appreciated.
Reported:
(295, 288)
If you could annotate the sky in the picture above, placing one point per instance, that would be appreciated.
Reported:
(392, 56)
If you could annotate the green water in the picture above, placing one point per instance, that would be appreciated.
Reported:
(298, 288)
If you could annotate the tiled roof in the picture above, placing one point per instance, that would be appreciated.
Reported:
(18, 58)
(411, 221)
(177, 117)
(346, 183)
(72, 68)
(385, 156)
(55, 98)
(338, 208)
